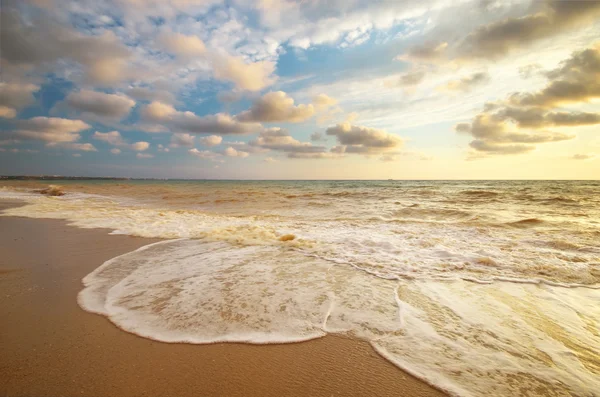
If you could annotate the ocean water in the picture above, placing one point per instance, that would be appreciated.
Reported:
(488, 287)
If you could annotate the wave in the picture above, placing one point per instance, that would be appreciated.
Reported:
(465, 338)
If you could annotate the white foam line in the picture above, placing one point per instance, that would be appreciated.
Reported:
(86, 299)
(400, 307)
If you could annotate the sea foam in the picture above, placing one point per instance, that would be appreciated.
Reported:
(521, 338)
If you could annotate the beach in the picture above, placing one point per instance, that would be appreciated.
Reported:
(51, 347)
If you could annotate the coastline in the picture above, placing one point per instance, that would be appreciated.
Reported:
(53, 347)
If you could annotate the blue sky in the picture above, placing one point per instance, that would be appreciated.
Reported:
(303, 90)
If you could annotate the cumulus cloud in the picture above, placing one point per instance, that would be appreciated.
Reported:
(140, 146)
(468, 83)
(98, 104)
(280, 140)
(211, 140)
(149, 94)
(231, 152)
(269, 160)
(189, 122)
(144, 156)
(276, 106)
(366, 140)
(14, 97)
(576, 80)
(115, 151)
(41, 42)
(50, 129)
(206, 154)
(555, 16)
(84, 147)
(323, 101)
(182, 45)
(114, 138)
(517, 124)
(180, 139)
(252, 76)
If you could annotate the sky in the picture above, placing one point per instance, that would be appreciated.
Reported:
(304, 89)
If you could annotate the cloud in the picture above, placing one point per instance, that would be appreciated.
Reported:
(41, 42)
(252, 76)
(494, 148)
(361, 139)
(231, 152)
(15, 96)
(211, 140)
(280, 140)
(114, 138)
(467, 83)
(576, 80)
(140, 146)
(189, 122)
(98, 104)
(408, 79)
(50, 129)
(181, 45)
(318, 137)
(179, 139)
(148, 94)
(581, 156)
(115, 151)
(84, 147)
(269, 160)
(424, 53)
(499, 38)
(276, 106)
(206, 154)
(77, 155)
(517, 124)
(7, 113)
(323, 101)
(144, 156)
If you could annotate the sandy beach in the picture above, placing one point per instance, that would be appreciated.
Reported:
(51, 347)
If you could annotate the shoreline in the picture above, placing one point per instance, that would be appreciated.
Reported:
(53, 347)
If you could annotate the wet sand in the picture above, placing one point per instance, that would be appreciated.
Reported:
(49, 346)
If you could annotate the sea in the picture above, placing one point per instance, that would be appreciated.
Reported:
(476, 287)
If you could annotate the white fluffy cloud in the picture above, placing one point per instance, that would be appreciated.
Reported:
(50, 129)
(83, 147)
(98, 104)
(182, 45)
(361, 139)
(114, 138)
(189, 122)
(253, 76)
(180, 139)
(14, 97)
(277, 106)
(211, 140)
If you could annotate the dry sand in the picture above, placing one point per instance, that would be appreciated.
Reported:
(51, 347)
